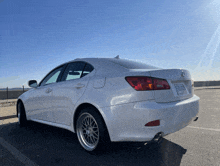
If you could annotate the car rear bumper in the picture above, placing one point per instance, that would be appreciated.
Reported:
(126, 122)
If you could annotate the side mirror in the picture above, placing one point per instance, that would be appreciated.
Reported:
(32, 83)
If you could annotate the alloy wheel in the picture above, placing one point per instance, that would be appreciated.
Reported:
(87, 131)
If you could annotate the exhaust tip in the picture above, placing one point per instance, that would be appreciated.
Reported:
(158, 137)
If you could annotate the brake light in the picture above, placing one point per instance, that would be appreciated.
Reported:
(147, 83)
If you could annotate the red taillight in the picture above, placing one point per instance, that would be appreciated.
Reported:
(147, 83)
(153, 123)
(140, 83)
(160, 84)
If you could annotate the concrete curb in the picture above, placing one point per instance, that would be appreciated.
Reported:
(9, 100)
(6, 103)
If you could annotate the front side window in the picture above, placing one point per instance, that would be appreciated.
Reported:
(52, 77)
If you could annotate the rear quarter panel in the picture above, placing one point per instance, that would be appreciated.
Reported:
(115, 91)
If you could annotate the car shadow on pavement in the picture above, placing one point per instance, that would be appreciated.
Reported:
(47, 145)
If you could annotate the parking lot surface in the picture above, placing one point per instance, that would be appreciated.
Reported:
(38, 144)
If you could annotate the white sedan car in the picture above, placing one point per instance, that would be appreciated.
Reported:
(111, 99)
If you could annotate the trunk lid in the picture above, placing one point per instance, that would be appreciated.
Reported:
(180, 85)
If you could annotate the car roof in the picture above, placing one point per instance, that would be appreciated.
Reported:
(102, 65)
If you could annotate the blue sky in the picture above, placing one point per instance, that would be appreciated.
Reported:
(36, 36)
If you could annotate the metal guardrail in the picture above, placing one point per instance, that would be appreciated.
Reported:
(206, 83)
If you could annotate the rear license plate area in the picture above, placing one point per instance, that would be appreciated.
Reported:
(180, 89)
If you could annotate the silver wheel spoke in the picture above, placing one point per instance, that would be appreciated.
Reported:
(84, 124)
(94, 125)
(83, 127)
(87, 138)
(90, 121)
(85, 121)
(95, 135)
(92, 139)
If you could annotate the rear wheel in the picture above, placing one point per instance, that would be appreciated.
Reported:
(91, 130)
(22, 120)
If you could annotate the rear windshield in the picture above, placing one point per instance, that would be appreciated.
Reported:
(129, 64)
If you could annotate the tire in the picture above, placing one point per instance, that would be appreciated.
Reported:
(91, 131)
(22, 120)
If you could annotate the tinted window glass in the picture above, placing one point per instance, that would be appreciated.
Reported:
(73, 71)
(88, 68)
(52, 77)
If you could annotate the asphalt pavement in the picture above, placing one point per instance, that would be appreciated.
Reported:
(38, 144)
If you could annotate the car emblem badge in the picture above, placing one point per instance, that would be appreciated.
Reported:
(183, 74)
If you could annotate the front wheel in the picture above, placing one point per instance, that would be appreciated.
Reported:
(91, 130)
(22, 120)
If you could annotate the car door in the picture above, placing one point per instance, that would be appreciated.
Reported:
(39, 103)
(69, 90)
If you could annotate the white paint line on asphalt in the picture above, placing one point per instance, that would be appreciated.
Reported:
(16, 153)
(204, 128)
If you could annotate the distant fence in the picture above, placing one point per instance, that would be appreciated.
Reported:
(11, 94)
(206, 83)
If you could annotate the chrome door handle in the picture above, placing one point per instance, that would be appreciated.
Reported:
(79, 85)
(48, 90)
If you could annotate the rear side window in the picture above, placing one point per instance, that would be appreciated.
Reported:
(73, 71)
(88, 69)
(129, 64)
(76, 70)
